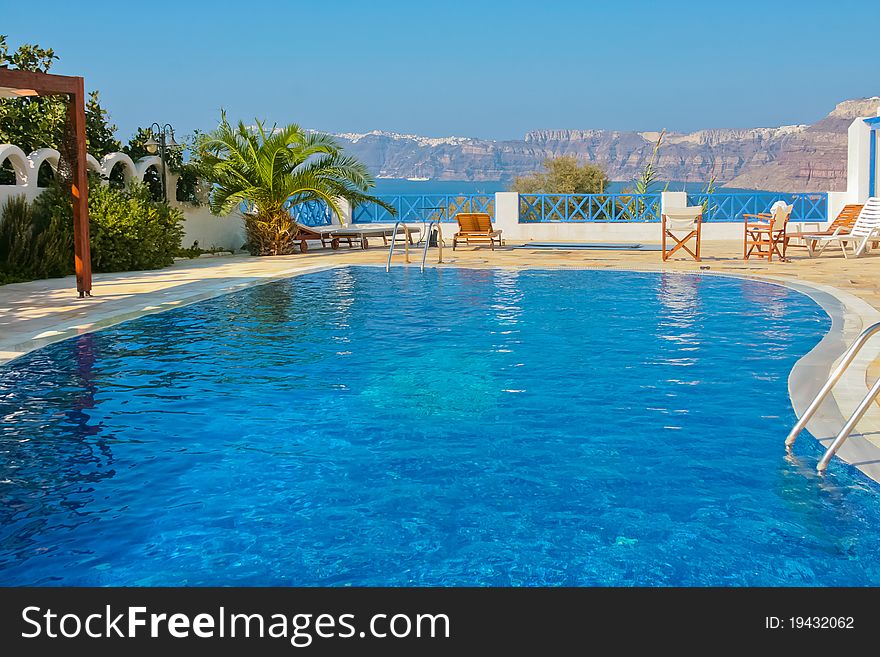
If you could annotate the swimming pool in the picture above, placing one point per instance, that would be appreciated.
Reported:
(457, 427)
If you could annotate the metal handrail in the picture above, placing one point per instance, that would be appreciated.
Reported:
(394, 240)
(861, 409)
(428, 243)
(848, 357)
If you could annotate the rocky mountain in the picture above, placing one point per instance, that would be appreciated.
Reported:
(788, 158)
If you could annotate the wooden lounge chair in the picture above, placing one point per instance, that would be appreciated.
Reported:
(682, 225)
(322, 234)
(475, 227)
(336, 233)
(843, 224)
(366, 231)
(764, 234)
(865, 230)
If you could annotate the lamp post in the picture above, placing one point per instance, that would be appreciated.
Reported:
(165, 134)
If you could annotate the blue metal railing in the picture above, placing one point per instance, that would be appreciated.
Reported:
(731, 206)
(537, 208)
(573, 208)
(422, 207)
(311, 213)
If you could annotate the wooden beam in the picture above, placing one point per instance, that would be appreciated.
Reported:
(45, 84)
(76, 116)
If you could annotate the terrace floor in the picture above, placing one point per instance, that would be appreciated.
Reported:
(40, 312)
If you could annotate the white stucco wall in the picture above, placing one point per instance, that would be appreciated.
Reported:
(608, 232)
(211, 231)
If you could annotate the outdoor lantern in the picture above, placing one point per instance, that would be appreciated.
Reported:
(171, 142)
(151, 145)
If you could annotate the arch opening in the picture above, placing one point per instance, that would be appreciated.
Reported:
(7, 172)
(45, 174)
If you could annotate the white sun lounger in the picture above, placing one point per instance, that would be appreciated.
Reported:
(865, 230)
(336, 232)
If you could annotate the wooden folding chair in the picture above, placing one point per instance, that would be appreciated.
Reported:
(682, 225)
(764, 234)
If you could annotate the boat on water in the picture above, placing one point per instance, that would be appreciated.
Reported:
(420, 175)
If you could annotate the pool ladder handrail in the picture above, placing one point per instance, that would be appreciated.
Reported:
(406, 244)
(393, 242)
(428, 243)
(845, 361)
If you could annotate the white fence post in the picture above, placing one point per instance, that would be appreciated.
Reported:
(836, 201)
(345, 211)
(858, 156)
(507, 214)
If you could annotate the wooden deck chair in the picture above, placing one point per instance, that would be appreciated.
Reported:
(764, 234)
(682, 225)
(843, 224)
(322, 234)
(475, 227)
(865, 230)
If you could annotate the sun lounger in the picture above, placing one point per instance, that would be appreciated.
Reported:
(365, 232)
(322, 234)
(843, 224)
(475, 227)
(865, 230)
(336, 233)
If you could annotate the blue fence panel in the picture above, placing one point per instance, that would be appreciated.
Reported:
(544, 208)
(424, 207)
(731, 206)
(311, 213)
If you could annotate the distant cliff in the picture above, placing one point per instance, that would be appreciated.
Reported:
(788, 158)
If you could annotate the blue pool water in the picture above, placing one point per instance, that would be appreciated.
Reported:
(458, 427)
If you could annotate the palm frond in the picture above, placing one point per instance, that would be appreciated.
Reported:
(274, 169)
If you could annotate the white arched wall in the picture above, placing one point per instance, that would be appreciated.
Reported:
(92, 164)
(19, 162)
(36, 160)
(27, 167)
(145, 163)
(199, 225)
(129, 170)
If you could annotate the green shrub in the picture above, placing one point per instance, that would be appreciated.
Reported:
(16, 235)
(130, 231)
(563, 175)
(36, 241)
(53, 221)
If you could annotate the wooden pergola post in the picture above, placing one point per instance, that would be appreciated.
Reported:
(17, 84)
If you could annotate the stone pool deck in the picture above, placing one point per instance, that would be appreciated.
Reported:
(41, 312)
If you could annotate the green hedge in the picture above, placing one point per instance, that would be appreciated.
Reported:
(128, 230)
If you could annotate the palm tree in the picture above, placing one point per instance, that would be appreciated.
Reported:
(269, 171)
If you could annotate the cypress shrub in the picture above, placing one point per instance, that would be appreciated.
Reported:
(17, 241)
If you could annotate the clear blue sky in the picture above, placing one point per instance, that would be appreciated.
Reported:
(475, 68)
